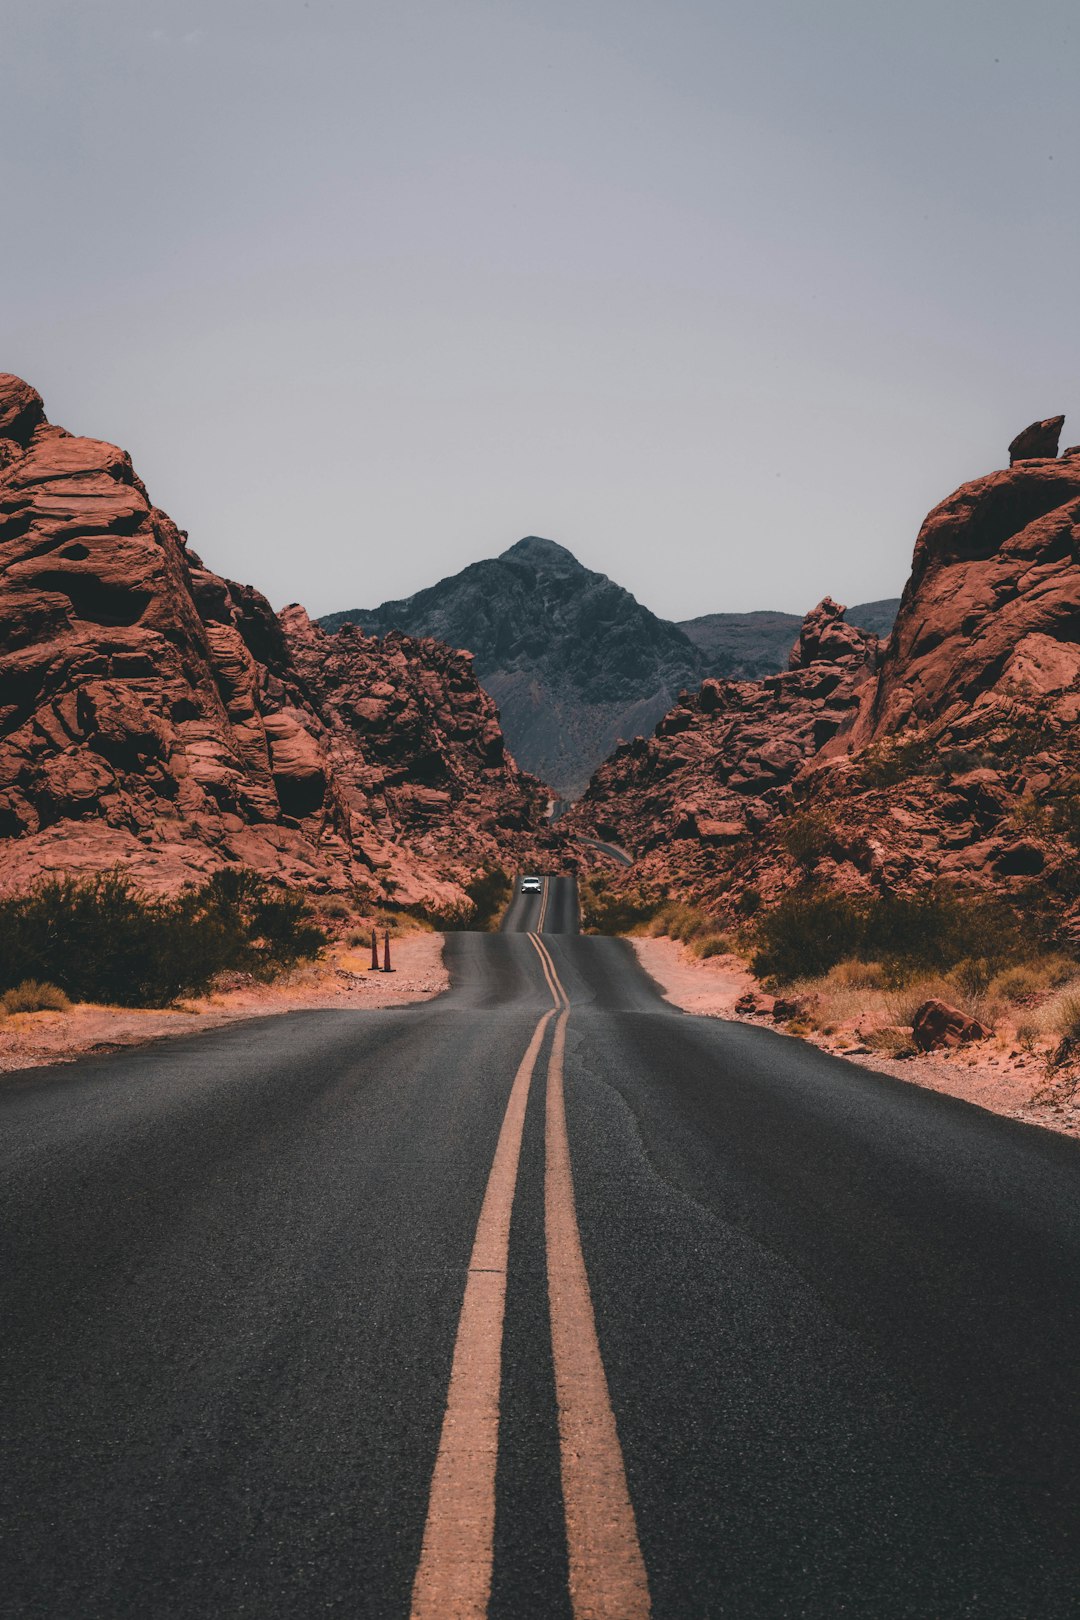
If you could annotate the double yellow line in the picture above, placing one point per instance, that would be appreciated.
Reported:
(543, 907)
(607, 1571)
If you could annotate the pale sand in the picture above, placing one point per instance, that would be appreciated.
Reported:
(991, 1074)
(342, 981)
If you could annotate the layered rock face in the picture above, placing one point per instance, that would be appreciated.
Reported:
(156, 715)
(956, 758)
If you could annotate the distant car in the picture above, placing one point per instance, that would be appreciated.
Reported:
(530, 885)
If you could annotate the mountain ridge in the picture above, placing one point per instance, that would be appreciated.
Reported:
(574, 661)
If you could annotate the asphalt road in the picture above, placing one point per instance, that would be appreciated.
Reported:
(821, 1359)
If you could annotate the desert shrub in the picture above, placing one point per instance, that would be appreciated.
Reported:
(708, 944)
(749, 903)
(333, 908)
(489, 895)
(679, 920)
(1065, 814)
(892, 1040)
(606, 909)
(32, 996)
(102, 939)
(812, 930)
(1024, 981)
(807, 837)
(806, 934)
(1027, 1034)
(1067, 1019)
(854, 974)
(938, 928)
(886, 763)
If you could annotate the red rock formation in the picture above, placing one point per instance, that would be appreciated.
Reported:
(721, 764)
(1037, 441)
(958, 760)
(937, 1025)
(156, 715)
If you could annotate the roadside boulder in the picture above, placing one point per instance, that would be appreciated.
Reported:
(937, 1025)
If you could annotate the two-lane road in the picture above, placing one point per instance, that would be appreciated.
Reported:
(544, 1288)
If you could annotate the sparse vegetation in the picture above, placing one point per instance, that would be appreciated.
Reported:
(628, 910)
(807, 837)
(102, 939)
(32, 996)
(490, 894)
(606, 909)
(813, 929)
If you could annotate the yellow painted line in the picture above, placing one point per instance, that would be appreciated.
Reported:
(543, 908)
(547, 967)
(453, 1579)
(607, 1571)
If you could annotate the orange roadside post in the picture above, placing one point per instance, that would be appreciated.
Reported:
(374, 951)
(386, 952)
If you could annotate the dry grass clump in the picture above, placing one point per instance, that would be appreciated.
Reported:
(1039, 999)
(33, 996)
(693, 928)
(892, 1040)
(383, 920)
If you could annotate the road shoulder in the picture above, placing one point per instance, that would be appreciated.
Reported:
(988, 1075)
(342, 982)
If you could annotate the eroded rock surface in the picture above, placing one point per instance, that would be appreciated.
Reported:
(155, 715)
(951, 755)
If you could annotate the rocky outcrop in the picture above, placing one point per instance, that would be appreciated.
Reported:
(720, 767)
(1038, 441)
(954, 760)
(155, 715)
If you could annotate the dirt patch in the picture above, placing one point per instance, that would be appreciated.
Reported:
(342, 981)
(994, 1074)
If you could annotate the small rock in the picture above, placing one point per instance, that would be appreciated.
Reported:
(937, 1025)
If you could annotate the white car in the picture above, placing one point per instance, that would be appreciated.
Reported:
(530, 885)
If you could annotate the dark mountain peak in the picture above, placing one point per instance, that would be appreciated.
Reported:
(541, 553)
(572, 659)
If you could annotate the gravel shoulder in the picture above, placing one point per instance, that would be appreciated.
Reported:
(342, 981)
(991, 1074)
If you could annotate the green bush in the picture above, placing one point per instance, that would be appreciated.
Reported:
(608, 910)
(810, 931)
(30, 996)
(806, 934)
(490, 894)
(808, 837)
(102, 939)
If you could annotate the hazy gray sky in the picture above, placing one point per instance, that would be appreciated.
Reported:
(722, 296)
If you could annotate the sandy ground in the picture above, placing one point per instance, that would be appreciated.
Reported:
(992, 1074)
(343, 980)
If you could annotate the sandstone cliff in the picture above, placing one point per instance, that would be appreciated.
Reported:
(157, 715)
(953, 755)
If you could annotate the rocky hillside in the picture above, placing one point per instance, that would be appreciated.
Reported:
(155, 715)
(953, 755)
(574, 662)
